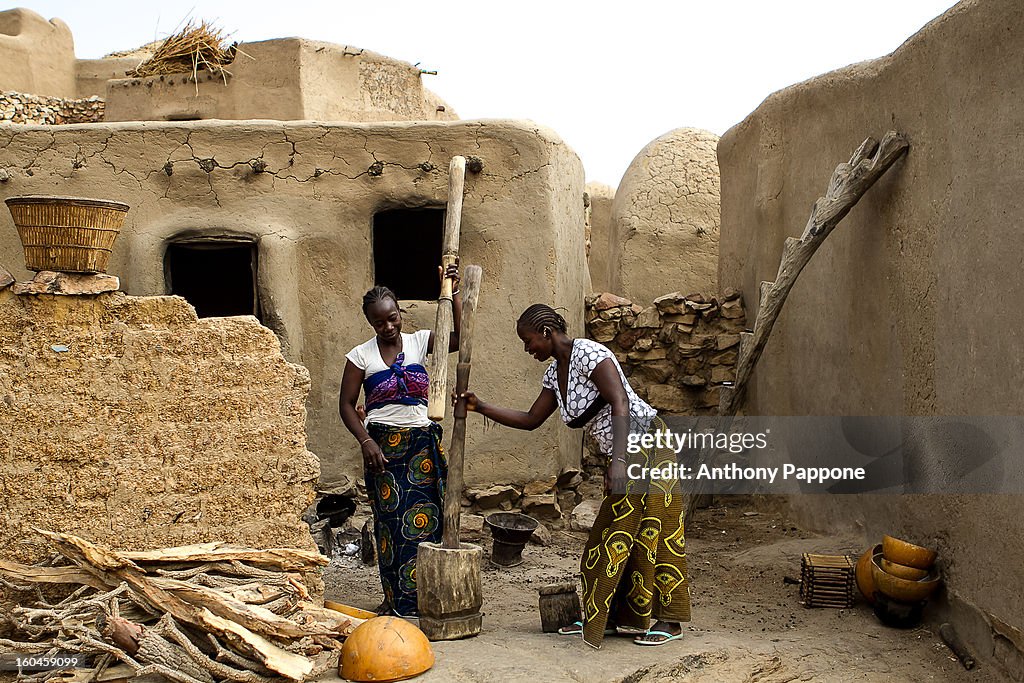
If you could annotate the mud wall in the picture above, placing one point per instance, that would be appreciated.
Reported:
(306, 195)
(286, 79)
(665, 218)
(913, 305)
(132, 423)
(601, 197)
(91, 75)
(38, 56)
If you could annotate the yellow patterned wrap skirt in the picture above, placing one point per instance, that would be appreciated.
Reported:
(634, 564)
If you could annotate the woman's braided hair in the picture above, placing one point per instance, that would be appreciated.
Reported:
(539, 316)
(376, 295)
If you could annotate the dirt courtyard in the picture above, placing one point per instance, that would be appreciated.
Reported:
(748, 626)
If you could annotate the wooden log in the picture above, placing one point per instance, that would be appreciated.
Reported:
(456, 454)
(24, 572)
(275, 658)
(338, 623)
(950, 638)
(367, 550)
(848, 184)
(153, 649)
(449, 590)
(254, 617)
(112, 568)
(437, 400)
(287, 559)
(251, 593)
(124, 633)
(559, 606)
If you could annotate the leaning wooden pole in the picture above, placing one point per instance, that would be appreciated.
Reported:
(438, 370)
(848, 184)
(456, 454)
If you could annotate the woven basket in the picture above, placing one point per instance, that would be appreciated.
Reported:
(69, 234)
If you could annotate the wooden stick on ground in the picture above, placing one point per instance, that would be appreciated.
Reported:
(456, 454)
(438, 371)
(65, 575)
(287, 559)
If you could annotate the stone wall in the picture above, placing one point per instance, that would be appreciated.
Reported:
(130, 422)
(20, 108)
(678, 352)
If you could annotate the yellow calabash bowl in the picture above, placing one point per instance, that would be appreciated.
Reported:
(865, 583)
(385, 649)
(903, 589)
(907, 554)
(902, 571)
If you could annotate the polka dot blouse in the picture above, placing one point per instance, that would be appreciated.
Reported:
(581, 392)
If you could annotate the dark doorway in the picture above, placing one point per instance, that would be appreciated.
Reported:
(407, 252)
(218, 277)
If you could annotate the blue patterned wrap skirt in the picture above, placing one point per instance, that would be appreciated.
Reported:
(407, 501)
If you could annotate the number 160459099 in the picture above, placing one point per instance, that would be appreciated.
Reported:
(42, 662)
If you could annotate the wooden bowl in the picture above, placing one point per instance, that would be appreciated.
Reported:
(865, 583)
(903, 590)
(907, 554)
(902, 571)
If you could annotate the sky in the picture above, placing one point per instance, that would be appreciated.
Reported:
(608, 77)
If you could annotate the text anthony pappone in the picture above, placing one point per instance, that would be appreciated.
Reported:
(736, 472)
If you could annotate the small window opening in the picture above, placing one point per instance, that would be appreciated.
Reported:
(217, 277)
(407, 252)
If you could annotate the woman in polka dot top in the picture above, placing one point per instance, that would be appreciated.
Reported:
(637, 539)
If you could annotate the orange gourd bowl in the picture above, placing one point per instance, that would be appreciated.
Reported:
(903, 590)
(865, 583)
(385, 649)
(907, 554)
(901, 571)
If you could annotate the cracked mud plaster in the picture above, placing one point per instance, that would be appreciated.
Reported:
(666, 218)
(233, 147)
(310, 210)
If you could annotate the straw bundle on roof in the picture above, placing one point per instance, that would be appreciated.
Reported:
(192, 49)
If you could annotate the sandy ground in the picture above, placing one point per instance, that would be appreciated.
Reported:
(747, 626)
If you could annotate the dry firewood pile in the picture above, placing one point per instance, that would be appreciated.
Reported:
(194, 614)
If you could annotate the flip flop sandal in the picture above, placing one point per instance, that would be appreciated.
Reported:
(654, 643)
(576, 628)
